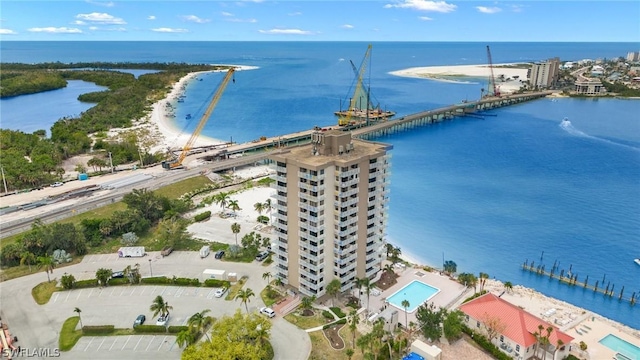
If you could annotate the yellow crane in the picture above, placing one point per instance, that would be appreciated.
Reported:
(344, 117)
(205, 117)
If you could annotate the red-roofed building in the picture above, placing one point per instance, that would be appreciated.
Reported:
(512, 328)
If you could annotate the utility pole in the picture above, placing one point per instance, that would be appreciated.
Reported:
(111, 162)
(4, 181)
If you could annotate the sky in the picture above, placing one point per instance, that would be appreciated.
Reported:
(320, 20)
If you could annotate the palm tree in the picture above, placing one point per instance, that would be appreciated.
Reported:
(483, 280)
(267, 276)
(306, 302)
(388, 268)
(353, 324)
(259, 207)
(405, 304)
(185, 338)
(235, 228)
(200, 322)
(48, 263)
(333, 288)
(221, 199)
(366, 283)
(268, 206)
(349, 353)
(77, 310)
(559, 344)
(28, 258)
(508, 286)
(233, 205)
(158, 306)
(261, 334)
(244, 296)
(450, 267)
(278, 282)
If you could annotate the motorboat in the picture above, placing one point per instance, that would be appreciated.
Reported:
(637, 261)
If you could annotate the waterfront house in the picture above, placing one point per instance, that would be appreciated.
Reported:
(512, 328)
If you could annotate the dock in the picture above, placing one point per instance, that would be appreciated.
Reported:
(571, 279)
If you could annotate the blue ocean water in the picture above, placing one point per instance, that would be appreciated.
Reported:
(490, 193)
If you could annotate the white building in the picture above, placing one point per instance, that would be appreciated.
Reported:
(330, 211)
(544, 75)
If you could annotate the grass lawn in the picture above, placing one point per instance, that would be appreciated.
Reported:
(180, 188)
(69, 336)
(306, 322)
(270, 297)
(23, 270)
(42, 292)
(233, 290)
(320, 348)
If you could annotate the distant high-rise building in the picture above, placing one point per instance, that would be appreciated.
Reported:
(330, 211)
(633, 56)
(544, 75)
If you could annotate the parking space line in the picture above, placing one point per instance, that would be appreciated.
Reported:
(162, 343)
(122, 292)
(67, 298)
(143, 289)
(79, 293)
(112, 290)
(153, 338)
(134, 349)
(114, 342)
(55, 296)
(103, 340)
(179, 292)
(90, 293)
(134, 290)
(163, 290)
(89, 344)
(126, 342)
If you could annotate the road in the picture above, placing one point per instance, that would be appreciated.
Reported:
(21, 221)
(38, 326)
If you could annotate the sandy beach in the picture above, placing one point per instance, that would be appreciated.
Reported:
(513, 77)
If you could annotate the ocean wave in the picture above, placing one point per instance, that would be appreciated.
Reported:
(566, 125)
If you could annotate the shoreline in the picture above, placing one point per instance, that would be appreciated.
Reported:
(512, 76)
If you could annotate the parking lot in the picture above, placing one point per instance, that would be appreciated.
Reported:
(114, 347)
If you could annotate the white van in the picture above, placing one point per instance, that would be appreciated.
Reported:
(204, 251)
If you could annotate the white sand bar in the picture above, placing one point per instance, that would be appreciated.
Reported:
(461, 73)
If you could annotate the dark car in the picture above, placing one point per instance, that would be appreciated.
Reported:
(139, 320)
(117, 274)
(263, 255)
(219, 254)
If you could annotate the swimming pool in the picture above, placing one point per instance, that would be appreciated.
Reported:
(416, 292)
(621, 346)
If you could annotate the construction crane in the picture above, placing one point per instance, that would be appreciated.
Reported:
(344, 118)
(177, 163)
(492, 80)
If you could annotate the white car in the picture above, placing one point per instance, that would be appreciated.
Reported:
(220, 291)
(267, 311)
(163, 320)
(56, 184)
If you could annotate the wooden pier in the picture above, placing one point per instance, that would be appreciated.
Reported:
(571, 279)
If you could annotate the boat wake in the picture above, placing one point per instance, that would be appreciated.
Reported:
(566, 125)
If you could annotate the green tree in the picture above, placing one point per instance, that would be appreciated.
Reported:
(146, 203)
(103, 275)
(268, 206)
(508, 286)
(68, 281)
(27, 257)
(48, 264)
(259, 207)
(222, 199)
(482, 277)
(267, 276)
(239, 337)
(235, 229)
(185, 338)
(78, 311)
(405, 304)
(173, 232)
(333, 289)
(450, 267)
(349, 352)
(233, 205)
(353, 325)
(453, 325)
(244, 295)
(429, 320)
(199, 322)
(159, 306)
(307, 302)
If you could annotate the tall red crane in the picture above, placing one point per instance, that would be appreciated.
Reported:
(492, 80)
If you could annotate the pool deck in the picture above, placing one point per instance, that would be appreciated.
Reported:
(450, 291)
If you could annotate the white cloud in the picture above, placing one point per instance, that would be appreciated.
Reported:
(297, 13)
(7, 32)
(243, 20)
(79, 22)
(100, 18)
(424, 5)
(517, 8)
(425, 18)
(347, 26)
(106, 4)
(170, 30)
(195, 19)
(224, 13)
(93, 28)
(488, 10)
(151, 17)
(55, 30)
(286, 32)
